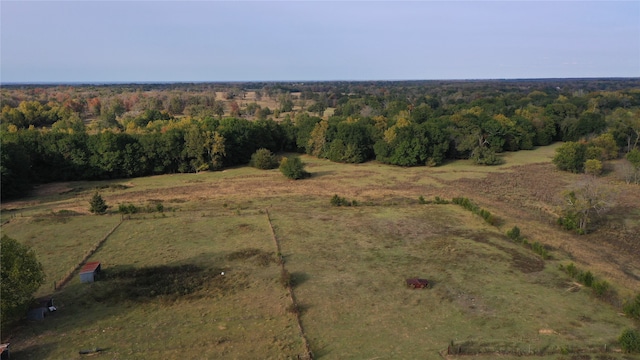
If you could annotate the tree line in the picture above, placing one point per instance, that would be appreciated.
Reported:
(83, 134)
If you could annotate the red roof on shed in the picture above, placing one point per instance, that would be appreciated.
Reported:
(90, 267)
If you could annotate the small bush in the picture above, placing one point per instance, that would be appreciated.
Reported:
(263, 159)
(600, 288)
(293, 168)
(630, 341)
(586, 278)
(572, 270)
(293, 309)
(340, 201)
(539, 249)
(421, 200)
(440, 201)
(285, 278)
(632, 308)
(514, 233)
(127, 209)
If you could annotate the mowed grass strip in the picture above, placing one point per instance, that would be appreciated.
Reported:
(349, 266)
(163, 295)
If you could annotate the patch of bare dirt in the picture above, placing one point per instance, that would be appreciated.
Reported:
(52, 189)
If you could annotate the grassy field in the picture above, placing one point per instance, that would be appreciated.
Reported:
(163, 294)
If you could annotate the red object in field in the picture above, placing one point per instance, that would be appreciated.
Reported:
(90, 267)
(417, 283)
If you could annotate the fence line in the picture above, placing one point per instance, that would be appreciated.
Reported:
(58, 285)
(289, 288)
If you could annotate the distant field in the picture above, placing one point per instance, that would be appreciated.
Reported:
(163, 295)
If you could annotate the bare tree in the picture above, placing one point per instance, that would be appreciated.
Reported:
(590, 199)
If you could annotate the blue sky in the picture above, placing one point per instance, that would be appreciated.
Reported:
(137, 41)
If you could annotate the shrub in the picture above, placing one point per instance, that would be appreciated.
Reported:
(630, 341)
(586, 278)
(127, 209)
(285, 278)
(97, 204)
(632, 308)
(600, 288)
(572, 270)
(293, 168)
(293, 309)
(263, 159)
(440, 201)
(539, 249)
(340, 201)
(514, 233)
(421, 200)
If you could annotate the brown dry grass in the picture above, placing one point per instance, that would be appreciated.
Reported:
(522, 192)
(523, 195)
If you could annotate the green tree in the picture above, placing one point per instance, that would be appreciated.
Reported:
(570, 156)
(195, 148)
(20, 276)
(97, 204)
(263, 159)
(624, 125)
(608, 145)
(293, 168)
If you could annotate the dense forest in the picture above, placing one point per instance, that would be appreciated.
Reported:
(90, 132)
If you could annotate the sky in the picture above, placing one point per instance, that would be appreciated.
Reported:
(193, 41)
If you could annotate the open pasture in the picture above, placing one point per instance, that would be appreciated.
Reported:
(350, 264)
(163, 295)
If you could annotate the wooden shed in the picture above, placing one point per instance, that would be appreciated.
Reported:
(90, 272)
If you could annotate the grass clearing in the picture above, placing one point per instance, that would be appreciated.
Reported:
(60, 241)
(162, 288)
(356, 303)
(163, 295)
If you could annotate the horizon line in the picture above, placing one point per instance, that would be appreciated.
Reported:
(160, 82)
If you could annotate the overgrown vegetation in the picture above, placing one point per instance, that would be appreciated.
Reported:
(538, 248)
(471, 206)
(128, 209)
(600, 288)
